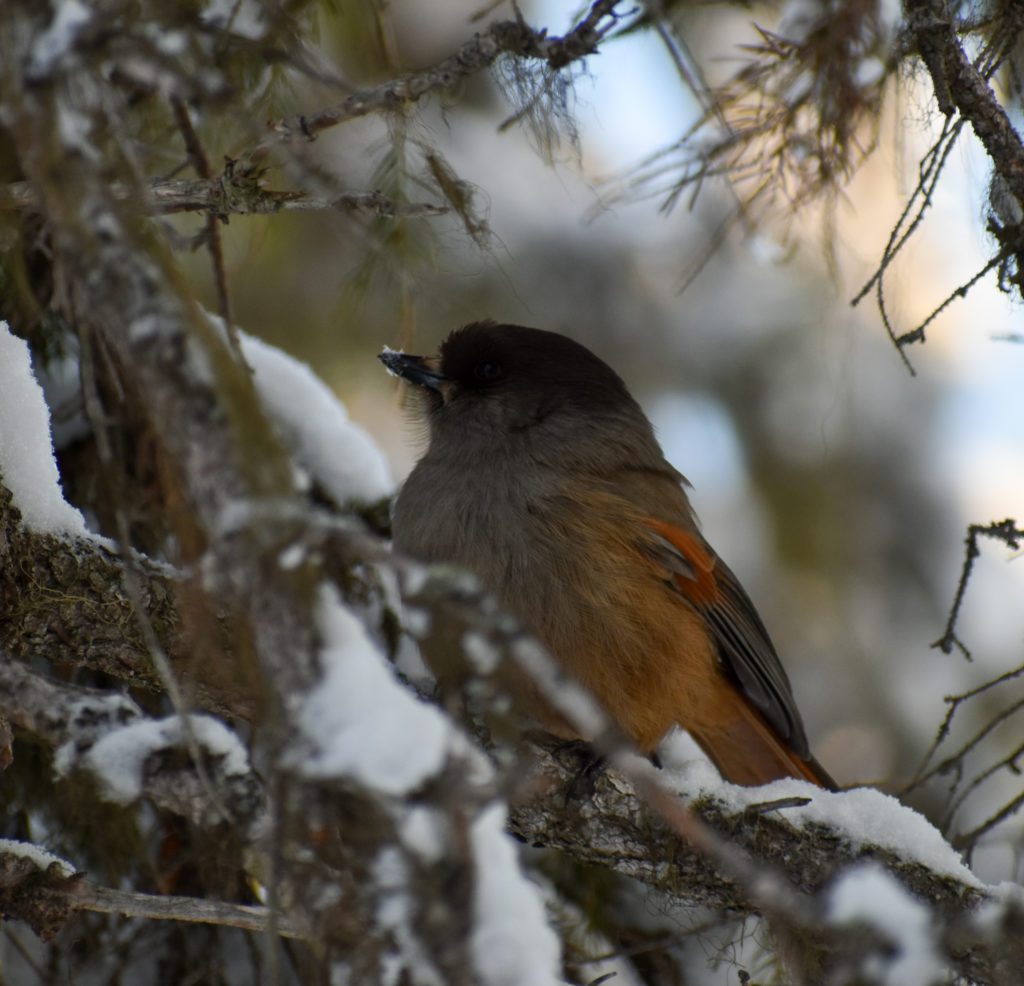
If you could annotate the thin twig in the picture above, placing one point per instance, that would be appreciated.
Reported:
(917, 334)
(954, 702)
(214, 241)
(969, 840)
(240, 194)
(482, 50)
(1007, 762)
(955, 761)
(1003, 530)
(929, 172)
(193, 910)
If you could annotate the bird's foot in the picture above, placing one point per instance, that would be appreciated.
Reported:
(589, 766)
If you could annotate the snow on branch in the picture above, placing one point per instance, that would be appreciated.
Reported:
(315, 428)
(360, 721)
(34, 886)
(154, 757)
(27, 465)
(131, 756)
(60, 714)
(868, 895)
(764, 858)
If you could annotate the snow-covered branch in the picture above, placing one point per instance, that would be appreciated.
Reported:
(788, 831)
(778, 851)
(132, 756)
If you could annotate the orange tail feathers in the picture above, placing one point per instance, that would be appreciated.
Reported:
(747, 750)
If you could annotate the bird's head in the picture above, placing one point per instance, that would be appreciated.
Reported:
(497, 382)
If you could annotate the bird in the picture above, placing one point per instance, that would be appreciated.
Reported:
(543, 477)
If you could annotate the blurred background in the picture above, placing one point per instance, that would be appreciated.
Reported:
(837, 486)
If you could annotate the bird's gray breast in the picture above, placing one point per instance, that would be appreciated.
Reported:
(487, 520)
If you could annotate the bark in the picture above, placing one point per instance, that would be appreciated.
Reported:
(961, 86)
(66, 600)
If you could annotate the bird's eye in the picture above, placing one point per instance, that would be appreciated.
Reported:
(487, 372)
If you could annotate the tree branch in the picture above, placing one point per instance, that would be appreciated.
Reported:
(74, 720)
(959, 85)
(1006, 531)
(506, 37)
(694, 849)
(241, 193)
(46, 897)
(194, 910)
(61, 713)
(67, 600)
(777, 868)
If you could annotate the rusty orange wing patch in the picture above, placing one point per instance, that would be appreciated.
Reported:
(690, 561)
(744, 647)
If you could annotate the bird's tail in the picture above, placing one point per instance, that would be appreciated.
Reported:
(747, 750)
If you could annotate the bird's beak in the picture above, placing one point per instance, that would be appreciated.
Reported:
(422, 370)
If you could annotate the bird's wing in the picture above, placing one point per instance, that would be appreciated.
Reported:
(744, 647)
